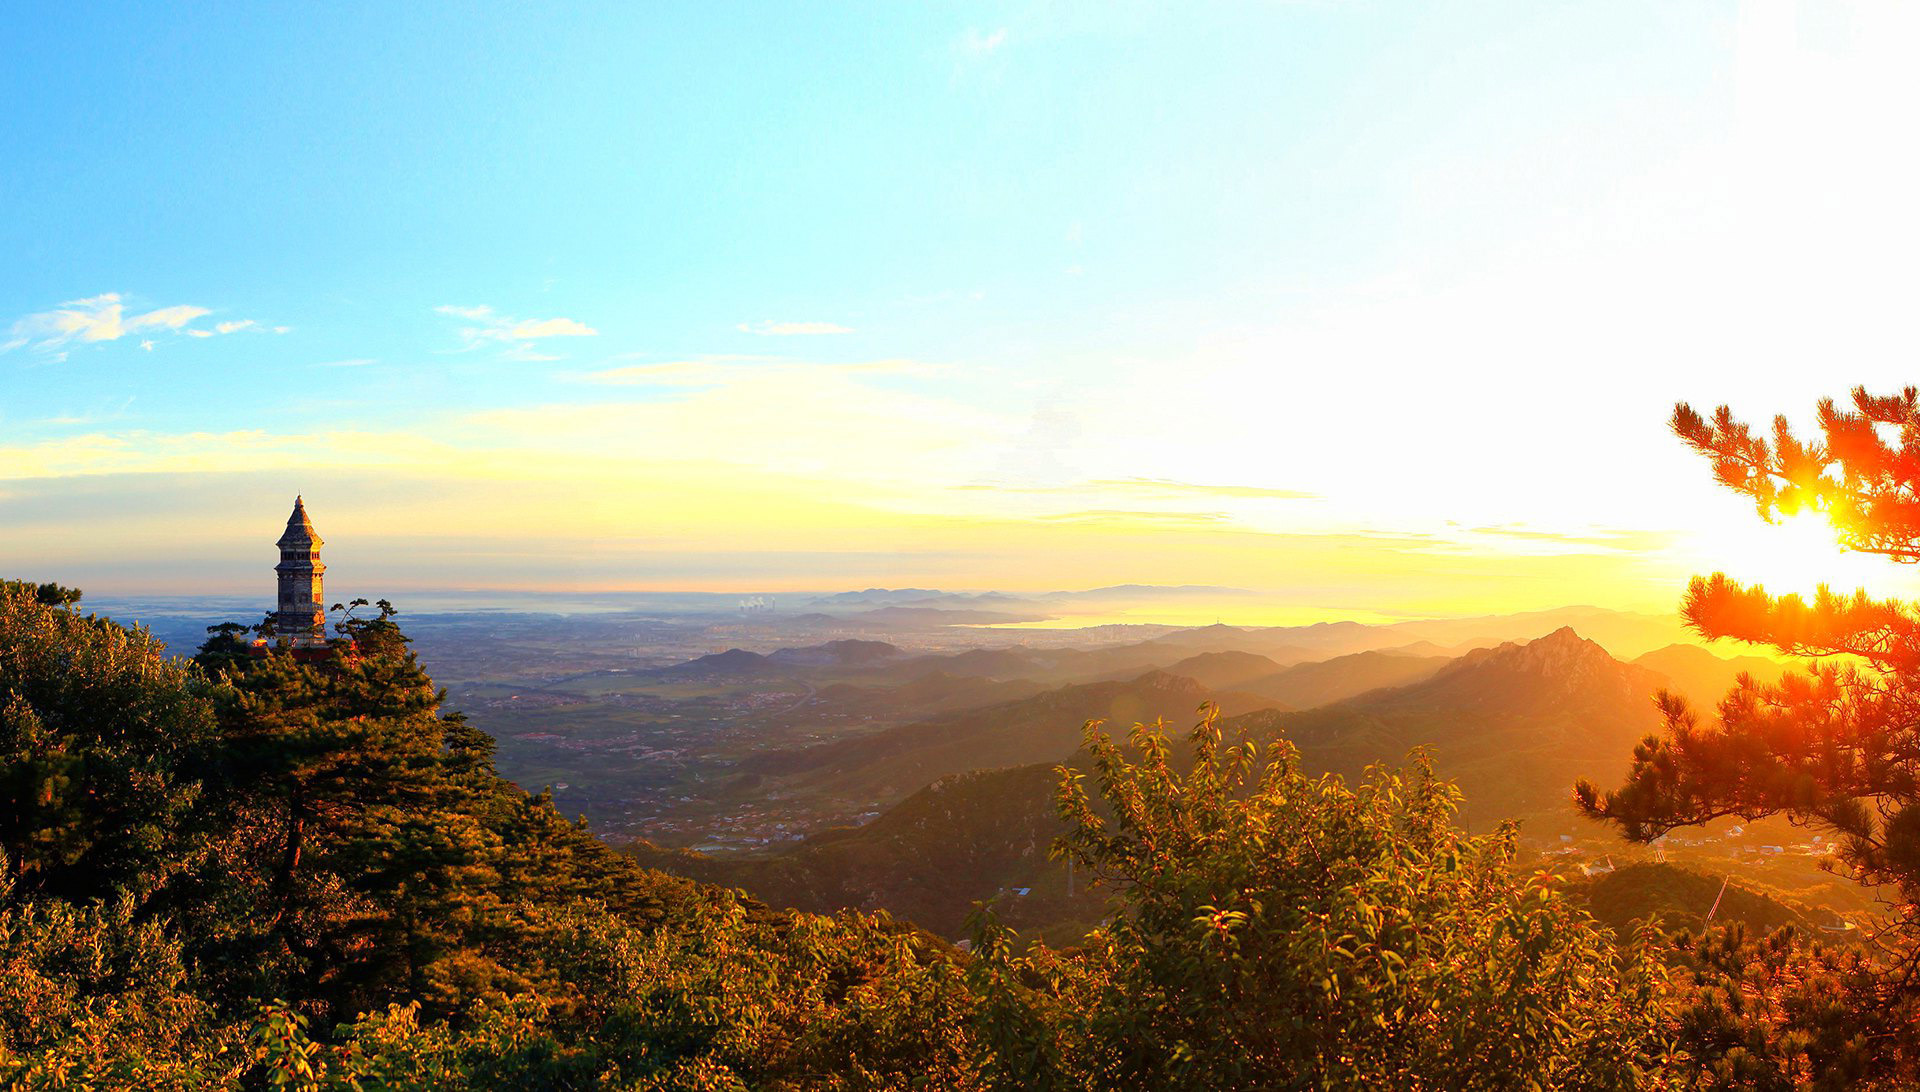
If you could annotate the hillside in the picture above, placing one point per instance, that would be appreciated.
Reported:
(1679, 898)
(1515, 725)
(992, 663)
(1311, 685)
(846, 653)
(886, 766)
(929, 694)
(734, 663)
(1277, 643)
(1621, 633)
(963, 839)
(245, 862)
(1224, 670)
(1556, 674)
(1702, 677)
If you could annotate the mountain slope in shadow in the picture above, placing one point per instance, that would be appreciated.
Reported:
(1515, 726)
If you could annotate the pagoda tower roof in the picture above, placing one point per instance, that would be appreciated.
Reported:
(299, 534)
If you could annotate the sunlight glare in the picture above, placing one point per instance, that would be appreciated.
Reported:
(1798, 553)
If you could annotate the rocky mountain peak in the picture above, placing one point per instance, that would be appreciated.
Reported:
(1559, 652)
(1561, 670)
(1172, 684)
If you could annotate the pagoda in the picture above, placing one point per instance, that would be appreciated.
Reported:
(299, 619)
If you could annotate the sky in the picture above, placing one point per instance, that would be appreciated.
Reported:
(1372, 309)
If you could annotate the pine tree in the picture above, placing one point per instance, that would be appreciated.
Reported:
(1835, 746)
(353, 833)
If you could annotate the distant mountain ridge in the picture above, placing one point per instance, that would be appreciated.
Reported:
(1515, 725)
(1621, 633)
(846, 653)
(733, 662)
(1224, 670)
(890, 764)
(1549, 673)
(1703, 677)
(1323, 682)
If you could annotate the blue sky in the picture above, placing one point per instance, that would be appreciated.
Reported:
(927, 274)
(947, 181)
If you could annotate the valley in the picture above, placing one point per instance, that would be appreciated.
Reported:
(896, 756)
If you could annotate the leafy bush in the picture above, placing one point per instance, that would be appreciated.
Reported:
(1285, 931)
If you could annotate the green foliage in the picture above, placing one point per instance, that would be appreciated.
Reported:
(376, 636)
(96, 997)
(732, 1002)
(275, 869)
(344, 845)
(48, 594)
(227, 647)
(1853, 474)
(1776, 1012)
(101, 740)
(1276, 930)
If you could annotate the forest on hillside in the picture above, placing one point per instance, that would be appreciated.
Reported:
(262, 869)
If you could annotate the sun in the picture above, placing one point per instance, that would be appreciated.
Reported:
(1798, 553)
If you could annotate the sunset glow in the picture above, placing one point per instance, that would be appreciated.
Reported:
(875, 545)
(971, 333)
(1799, 553)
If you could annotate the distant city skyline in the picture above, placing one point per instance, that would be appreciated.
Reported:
(1373, 310)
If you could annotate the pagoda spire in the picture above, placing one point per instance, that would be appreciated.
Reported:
(298, 617)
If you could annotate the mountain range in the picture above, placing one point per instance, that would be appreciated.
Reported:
(885, 766)
(1515, 725)
(1622, 633)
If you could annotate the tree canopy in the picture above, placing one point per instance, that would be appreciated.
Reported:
(269, 870)
(314, 878)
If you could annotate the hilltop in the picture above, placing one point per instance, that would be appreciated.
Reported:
(1702, 677)
(1679, 898)
(1515, 725)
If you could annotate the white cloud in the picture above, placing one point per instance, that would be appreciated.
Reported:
(979, 55)
(96, 318)
(172, 318)
(704, 372)
(231, 328)
(517, 334)
(792, 329)
(356, 362)
(978, 43)
(105, 318)
(796, 417)
(553, 327)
